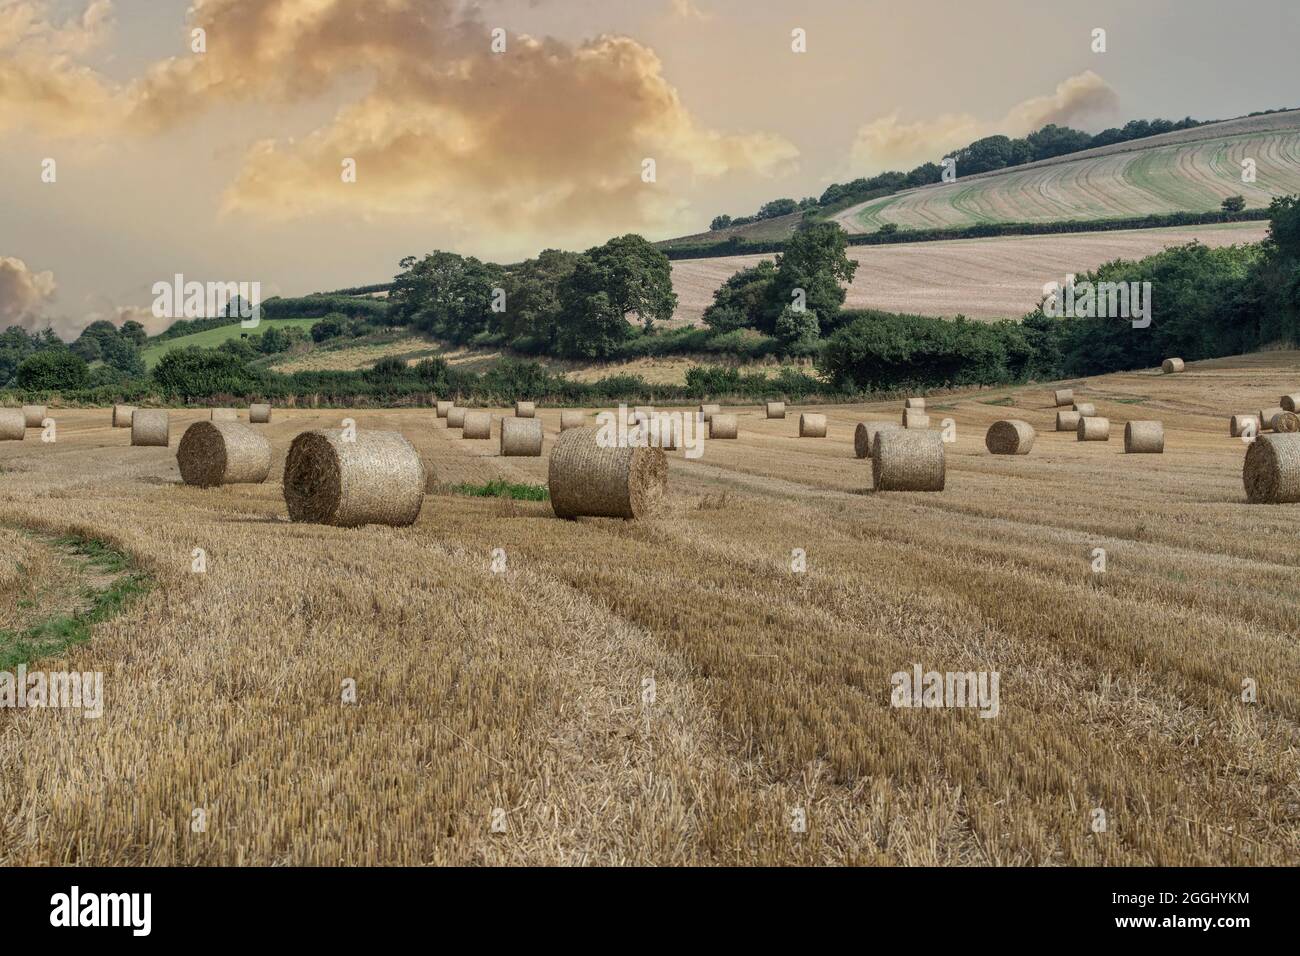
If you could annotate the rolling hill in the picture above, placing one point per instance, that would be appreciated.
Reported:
(211, 338)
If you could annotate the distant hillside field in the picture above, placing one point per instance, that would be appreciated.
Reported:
(214, 337)
(995, 278)
(1187, 171)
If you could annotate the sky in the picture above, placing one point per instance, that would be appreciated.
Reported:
(504, 127)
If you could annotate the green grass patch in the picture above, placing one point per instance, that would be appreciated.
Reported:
(1004, 400)
(1131, 399)
(213, 337)
(498, 488)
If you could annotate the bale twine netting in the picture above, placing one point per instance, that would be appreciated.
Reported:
(150, 427)
(1271, 471)
(723, 426)
(775, 409)
(1290, 402)
(377, 478)
(223, 415)
(572, 419)
(122, 415)
(525, 409)
(917, 403)
(477, 425)
(1093, 429)
(915, 418)
(521, 437)
(1009, 437)
(33, 415)
(1085, 409)
(456, 417)
(223, 453)
(864, 436)
(13, 427)
(1067, 421)
(708, 411)
(1144, 438)
(586, 480)
(442, 408)
(904, 460)
(1266, 417)
(1172, 365)
(812, 425)
(1239, 424)
(259, 414)
(1285, 422)
(1062, 397)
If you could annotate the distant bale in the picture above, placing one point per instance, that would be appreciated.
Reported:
(1144, 438)
(864, 436)
(1093, 429)
(525, 409)
(1291, 402)
(223, 453)
(904, 460)
(376, 478)
(1171, 365)
(1063, 396)
(122, 415)
(1266, 417)
(477, 425)
(13, 426)
(1009, 437)
(723, 426)
(456, 418)
(586, 480)
(259, 414)
(917, 403)
(521, 437)
(1271, 471)
(668, 428)
(915, 418)
(1239, 423)
(572, 419)
(33, 415)
(812, 425)
(708, 411)
(775, 409)
(1086, 409)
(1067, 421)
(223, 415)
(151, 427)
(442, 408)
(1285, 422)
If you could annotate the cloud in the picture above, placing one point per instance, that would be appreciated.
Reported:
(688, 10)
(887, 143)
(24, 295)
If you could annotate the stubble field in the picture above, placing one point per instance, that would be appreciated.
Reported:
(520, 696)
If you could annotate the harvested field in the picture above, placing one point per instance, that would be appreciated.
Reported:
(522, 690)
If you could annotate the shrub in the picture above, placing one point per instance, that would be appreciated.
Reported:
(52, 370)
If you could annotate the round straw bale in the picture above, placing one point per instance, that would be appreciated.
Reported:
(915, 418)
(1271, 471)
(1009, 437)
(150, 426)
(1172, 365)
(1067, 421)
(13, 427)
(477, 425)
(864, 436)
(775, 409)
(917, 403)
(521, 437)
(122, 415)
(709, 410)
(723, 426)
(1144, 438)
(456, 417)
(525, 409)
(1285, 422)
(259, 414)
(668, 427)
(442, 408)
(612, 482)
(1237, 425)
(223, 415)
(1086, 409)
(1266, 417)
(572, 419)
(223, 453)
(1290, 402)
(1092, 428)
(1062, 397)
(812, 425)
(904, 460)
(377, 478)
(33, 415)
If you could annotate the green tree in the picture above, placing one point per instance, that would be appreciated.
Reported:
(194, 373)
(637, 277)
(593, 325)
(720, 222)
(739, 302)
(134, 332)
(816, 262)
(1233, 204)
(52, 370)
